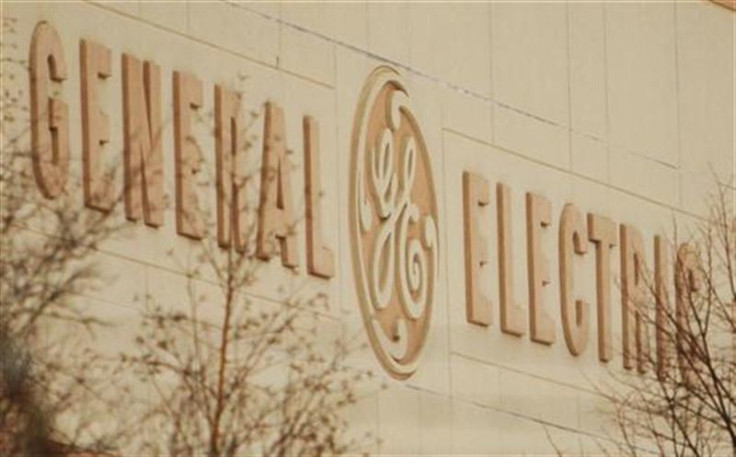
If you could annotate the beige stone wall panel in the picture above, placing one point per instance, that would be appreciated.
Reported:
(642, 81)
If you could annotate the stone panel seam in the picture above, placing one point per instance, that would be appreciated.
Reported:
(146, 264)
(544, 423)
(569, 87)
(213, 45)
(525, 373)
(677, 105)
(455, 399)
(605, 84)
(446, 84)
(574, 174)
(445, 258)
(527, 418)
(492, 127)
(408, 68)
(104, 301)
(493, 102)
(213, 325)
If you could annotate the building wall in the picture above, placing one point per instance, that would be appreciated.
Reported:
(627, 110)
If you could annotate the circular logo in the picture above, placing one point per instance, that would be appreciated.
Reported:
(393, 223)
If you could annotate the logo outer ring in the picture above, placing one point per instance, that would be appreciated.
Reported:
(374, 84)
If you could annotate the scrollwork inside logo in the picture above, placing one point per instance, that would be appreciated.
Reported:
(393, 216)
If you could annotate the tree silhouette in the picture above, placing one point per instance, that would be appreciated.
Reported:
(685, 402)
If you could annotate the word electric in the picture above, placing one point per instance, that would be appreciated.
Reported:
(143, 157)
(575, 233)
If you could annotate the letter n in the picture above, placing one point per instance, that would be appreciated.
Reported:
(143, 158)
(229, 150)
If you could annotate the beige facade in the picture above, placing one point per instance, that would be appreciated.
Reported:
(625, 110)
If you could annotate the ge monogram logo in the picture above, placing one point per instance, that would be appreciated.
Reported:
(393, 223)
